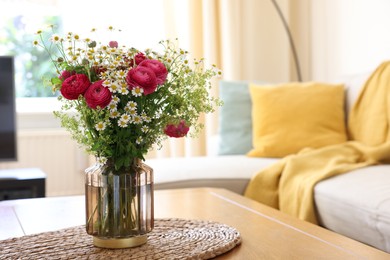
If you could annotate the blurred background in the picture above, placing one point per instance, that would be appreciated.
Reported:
(334, 39)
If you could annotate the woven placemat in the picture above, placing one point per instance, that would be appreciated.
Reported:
(170, 239)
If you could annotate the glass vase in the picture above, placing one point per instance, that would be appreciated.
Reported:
(119, 205)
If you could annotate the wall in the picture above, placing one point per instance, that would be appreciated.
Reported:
(43, 144)
(348, 37)
(299, 23)
(254, 43)
(52, 151)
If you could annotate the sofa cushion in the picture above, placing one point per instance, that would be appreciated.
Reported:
(231, 172)
(353, 85)
(357, 205)
(235, 121)
(289, 117)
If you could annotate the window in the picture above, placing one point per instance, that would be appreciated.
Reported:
(142, 23)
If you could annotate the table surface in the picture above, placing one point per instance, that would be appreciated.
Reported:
(266, 233)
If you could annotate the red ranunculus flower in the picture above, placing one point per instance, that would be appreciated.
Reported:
(139, 57)
(179, 130)
(142, 77)
(158, 68)
(97, 95)
(66, 74)
(74, 86)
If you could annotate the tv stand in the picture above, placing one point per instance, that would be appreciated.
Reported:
(22, 183)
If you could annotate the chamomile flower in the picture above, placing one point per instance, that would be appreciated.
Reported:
(114, 113)
(69, 36)
(129, 110)
(157, 115)
(144, 129)
(139, 140)
(123, 91)
(101, 160)
(112, 106)
(113, 51)
(131, 105)
(137, 119)
(121, 74)
(145, 118)
(114, 88)
(137, 91)
(55, 38)
(100, 126)
(106, 83)
(105, 76)
(132, 112)
(115, 100)
(125, 117)
(122, 123)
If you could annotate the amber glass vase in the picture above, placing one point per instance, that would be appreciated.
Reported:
(119, 204)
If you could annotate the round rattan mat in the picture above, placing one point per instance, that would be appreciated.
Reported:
(170, 239)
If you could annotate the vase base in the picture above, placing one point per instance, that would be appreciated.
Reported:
(120, 242)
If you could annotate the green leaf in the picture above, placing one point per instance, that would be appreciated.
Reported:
(56, 81)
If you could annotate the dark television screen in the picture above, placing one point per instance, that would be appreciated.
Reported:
(7, 110)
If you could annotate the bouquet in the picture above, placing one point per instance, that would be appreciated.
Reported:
(118, 101)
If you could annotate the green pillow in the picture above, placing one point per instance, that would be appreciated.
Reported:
(235, 118)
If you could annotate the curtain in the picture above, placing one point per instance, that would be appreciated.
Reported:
(244, 38)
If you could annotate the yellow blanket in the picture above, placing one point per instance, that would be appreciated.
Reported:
(288, 185)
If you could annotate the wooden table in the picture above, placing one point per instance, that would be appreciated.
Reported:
(266, 233)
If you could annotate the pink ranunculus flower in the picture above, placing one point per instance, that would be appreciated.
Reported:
(179, 130)
(158, 68)
(97, 95)
(142, 77)
(74, 86)
(113, 44)
(66, 74)
(139, 57)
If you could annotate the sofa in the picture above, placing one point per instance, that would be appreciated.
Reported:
(355, 204)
